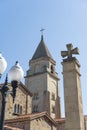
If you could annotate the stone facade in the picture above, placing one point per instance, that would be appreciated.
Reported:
(42, 124)
(60, 123)
(39, 121)
(45, 85)
(22, 104)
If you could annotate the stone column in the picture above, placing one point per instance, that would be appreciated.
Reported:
(72, 94)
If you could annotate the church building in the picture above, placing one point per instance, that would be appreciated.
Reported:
(37, 104)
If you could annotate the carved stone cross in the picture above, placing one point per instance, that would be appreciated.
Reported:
(69, 51)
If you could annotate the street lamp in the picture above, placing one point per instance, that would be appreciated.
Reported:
(15, 74)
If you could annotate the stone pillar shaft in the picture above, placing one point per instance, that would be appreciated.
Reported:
(72, 95)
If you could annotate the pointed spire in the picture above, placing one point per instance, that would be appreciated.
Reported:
(42, 50)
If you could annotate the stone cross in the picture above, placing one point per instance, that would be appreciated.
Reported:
(69, 51)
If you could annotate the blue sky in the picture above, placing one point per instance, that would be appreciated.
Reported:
(64, 21)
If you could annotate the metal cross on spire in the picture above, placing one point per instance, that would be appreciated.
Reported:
(70, 51)
(42, 31)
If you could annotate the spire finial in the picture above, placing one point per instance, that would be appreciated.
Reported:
(42, 33)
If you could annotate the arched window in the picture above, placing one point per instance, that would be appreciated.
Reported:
(52, 69)
(17, 109)
(35, 108)
(35, 96)
(20, 109)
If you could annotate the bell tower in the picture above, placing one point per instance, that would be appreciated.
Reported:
(42, 80)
